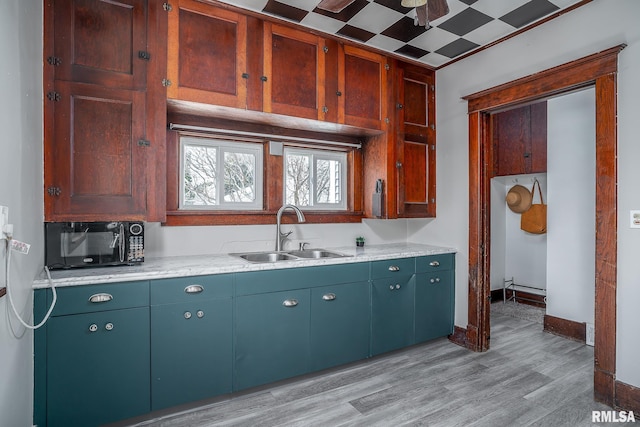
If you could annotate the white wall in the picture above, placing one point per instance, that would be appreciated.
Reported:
(179, 241)
(591, 28)
(571, 161)
(21, 191)
(515, 253)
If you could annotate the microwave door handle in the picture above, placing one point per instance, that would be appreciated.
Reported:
(121, 246)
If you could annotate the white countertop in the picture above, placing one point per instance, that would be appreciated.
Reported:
(170, 267)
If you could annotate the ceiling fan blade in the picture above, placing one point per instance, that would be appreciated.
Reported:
(421, 12)
(437, 9)
(335, 6)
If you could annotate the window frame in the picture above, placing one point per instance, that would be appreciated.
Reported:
(222, 146)
(319, 154)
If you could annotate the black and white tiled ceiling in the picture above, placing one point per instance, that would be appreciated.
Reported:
(388, 26)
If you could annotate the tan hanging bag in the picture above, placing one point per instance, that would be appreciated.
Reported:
(534, 220)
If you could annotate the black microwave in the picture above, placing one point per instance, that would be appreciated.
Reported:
(93, 244)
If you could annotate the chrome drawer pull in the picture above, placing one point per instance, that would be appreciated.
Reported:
(434, 264)
(97, 298)
(436, 280)
(329, 297)
(290, 302)
(394, 268)
(93, 327)
(109, 326)
(193, 289)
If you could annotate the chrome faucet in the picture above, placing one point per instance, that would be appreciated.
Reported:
(280, 236)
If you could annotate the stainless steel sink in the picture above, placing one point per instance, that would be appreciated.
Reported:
(265, 256)
(316, 254)
(262, 257)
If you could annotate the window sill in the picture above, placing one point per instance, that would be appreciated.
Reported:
(184, 218)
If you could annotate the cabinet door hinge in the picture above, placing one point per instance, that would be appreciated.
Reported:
(54, 60)
(144, 55)
(53, 96)
(432, 126)
(167, 6)
(432, 88)
(245, 75)
(433, 147)
(54, 191)
(143, 143)
(166, 82)
(325, 49)
(325, 109)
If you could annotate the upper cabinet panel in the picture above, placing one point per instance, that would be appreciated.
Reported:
(364, 97)
(294, 69)
(207, 50)
(101, 42)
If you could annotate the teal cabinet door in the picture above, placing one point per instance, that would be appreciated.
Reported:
(392, 311)
(191, 351)
(272, 337)
(191, 339)
(434, 305)
(340, 324)
(97, 367)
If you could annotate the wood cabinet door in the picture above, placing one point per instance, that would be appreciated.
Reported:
(364, 88)
(101, 42)
(520, 140)
(207, 55)
(95, 164)
(294, 72)
(415, 145)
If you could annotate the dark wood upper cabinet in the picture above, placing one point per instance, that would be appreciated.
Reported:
(104, 110)
(207, 54)
(294, 69)
(363, 93)
(415, 142)
(101, 42)
(520, 140)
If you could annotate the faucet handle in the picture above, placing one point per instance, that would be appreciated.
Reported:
(302, 245)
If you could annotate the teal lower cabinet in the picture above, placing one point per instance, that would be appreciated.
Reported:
(191, 339)
(392, 311)
(340, 324)
(91, 364)
(97, 367)
(434, 307)
(272, 337)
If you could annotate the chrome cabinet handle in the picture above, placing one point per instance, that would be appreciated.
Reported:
(436, 280)
(200, 314)
(97, 298)
(398, 286)
(434, 264)
(93, 327)
(329, 297)
(187, 315)
(193, 289)
(290, 302)
(109, 326)
(394, 268)
(391, 287)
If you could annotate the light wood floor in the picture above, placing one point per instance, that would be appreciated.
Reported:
(528, 378)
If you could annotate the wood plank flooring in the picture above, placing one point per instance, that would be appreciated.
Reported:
(528, 378)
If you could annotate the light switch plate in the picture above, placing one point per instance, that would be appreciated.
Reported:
(634, 219)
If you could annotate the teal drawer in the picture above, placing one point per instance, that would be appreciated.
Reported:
(108, 296)
(426, 264)
(393, 267)
(257, 282)
(185, 289)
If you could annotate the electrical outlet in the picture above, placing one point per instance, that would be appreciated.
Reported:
(591, 334)
(4, 220)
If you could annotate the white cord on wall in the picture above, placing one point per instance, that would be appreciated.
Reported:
(15, 311)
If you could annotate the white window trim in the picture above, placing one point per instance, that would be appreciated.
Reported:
(318, 154)
(222, 147)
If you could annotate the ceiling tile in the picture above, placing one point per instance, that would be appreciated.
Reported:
(347, 13)
(465, 21)
(355, 33)
(456, 48)
(394, 5)
(375, 18)
(529, 12)
(433, 39)
(404, 30)
(283, 10)
(385, 43)
(412, 51)
(322, 23)
(489, 32)
(497, 8)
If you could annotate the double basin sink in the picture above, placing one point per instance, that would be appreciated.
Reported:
(262, 257)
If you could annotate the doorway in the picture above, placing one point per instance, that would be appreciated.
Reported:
(598, 70)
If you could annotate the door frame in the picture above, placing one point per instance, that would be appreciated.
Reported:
(599, 70)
